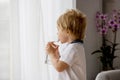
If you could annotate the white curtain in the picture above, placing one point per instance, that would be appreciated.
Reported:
(32, 25)
(25, 35)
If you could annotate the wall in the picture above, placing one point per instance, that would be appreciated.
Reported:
(93, 40)
(111, 5)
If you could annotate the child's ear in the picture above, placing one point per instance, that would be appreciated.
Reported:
(68, 31)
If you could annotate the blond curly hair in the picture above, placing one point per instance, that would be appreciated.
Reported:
(74, 21)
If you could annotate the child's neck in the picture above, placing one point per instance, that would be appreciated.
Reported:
(72, 39)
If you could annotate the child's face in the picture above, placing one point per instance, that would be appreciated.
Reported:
(62, 35)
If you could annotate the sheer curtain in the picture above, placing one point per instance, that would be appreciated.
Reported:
(32, 25)
(25, 34)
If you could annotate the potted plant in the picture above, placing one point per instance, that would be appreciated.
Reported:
(105, 23)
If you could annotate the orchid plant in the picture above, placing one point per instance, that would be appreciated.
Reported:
(105, 23)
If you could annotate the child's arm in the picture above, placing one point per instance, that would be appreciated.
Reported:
(52, 51)
(59, 65)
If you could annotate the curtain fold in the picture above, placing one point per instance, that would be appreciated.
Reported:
(25, 34)
(29, 21)
(15, 63)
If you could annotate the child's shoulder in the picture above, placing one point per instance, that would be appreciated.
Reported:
(75, 46)
(71, 45)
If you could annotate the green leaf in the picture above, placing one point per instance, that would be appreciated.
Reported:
(116, 44)
(108, 41)
(115, 57)
(117, 49)
(97, 51)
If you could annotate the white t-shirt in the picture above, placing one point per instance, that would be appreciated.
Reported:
(73, 54)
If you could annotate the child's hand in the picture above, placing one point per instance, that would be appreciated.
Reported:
(52, 49)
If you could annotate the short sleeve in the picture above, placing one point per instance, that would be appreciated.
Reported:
(68, 55)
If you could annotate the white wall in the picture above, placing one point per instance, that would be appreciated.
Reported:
(93, 40)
